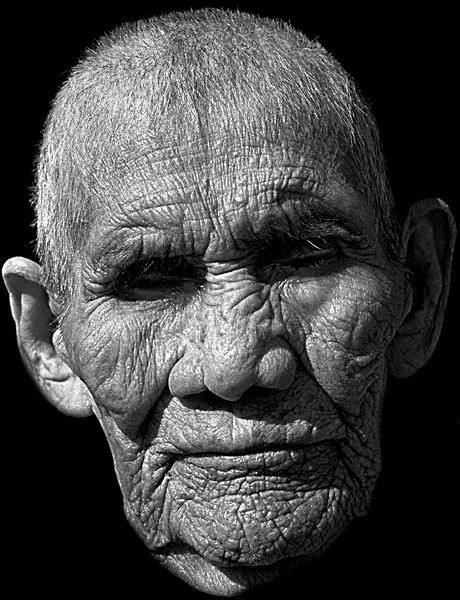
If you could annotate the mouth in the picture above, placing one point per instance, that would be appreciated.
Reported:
(223, 433)
(274, 459)
(261, 423)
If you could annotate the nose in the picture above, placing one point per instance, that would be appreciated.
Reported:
(228, 377)
(232, 358)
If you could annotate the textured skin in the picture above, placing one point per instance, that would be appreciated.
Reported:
(241, 399)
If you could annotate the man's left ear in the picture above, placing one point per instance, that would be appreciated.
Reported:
(33, 317)
(428, 239)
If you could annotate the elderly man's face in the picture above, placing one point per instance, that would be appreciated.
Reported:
(221, 299)
(231, 319)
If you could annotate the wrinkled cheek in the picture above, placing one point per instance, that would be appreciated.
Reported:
(126, 368)
(349, 380)
(346, 350)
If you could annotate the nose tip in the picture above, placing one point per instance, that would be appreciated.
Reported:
(230, 380)
(275, 369)
(227, 386)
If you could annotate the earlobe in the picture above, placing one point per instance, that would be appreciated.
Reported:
(427, 243)
(33, 318)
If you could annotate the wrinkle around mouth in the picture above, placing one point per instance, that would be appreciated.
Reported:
(249, 443)
(270, 461)
(205, 424)
(258, 450)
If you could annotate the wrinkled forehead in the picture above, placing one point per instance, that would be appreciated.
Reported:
(199, 147)
(214, 134)
(219, 169)
(200, 194)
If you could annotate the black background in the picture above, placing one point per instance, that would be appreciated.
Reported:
(63, 527)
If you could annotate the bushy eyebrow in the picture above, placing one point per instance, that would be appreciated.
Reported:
(302, 226)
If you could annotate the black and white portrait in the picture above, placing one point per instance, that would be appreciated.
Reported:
(230, 302)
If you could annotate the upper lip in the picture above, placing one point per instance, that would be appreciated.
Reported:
(264, 419)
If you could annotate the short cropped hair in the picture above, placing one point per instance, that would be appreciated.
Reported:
(216, 71)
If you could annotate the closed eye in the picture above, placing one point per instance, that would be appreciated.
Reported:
(150, 276)
(314, 257)
(314, 251)
(310, 253)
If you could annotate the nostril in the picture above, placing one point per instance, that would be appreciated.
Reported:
(180, 391)
(229, 379)
(204, 401)
(230, 386)
(186, 378)
(277, 367)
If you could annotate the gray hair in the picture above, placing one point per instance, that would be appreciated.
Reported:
(216, 72)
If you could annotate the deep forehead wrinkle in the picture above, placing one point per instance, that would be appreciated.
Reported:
(287, 220)
(147, 150)
(225, 161)
(221, 179)
(191, 200)
(170, 200)
(224, 193)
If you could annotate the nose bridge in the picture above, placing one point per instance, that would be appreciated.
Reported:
(237, 343)
(237, 316)
(234, 335)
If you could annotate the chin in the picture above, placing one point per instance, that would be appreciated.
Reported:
(230, 578)
(218, 580)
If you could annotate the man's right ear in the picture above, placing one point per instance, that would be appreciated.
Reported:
(33, 317)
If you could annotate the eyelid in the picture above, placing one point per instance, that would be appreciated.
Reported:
(154, 269)
(309, 251)
(313, 242)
